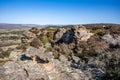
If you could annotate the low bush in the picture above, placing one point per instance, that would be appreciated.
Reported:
(4, 54)
(45, 39)
(99, 32)
(34, 30)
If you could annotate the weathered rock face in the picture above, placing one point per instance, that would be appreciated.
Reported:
(29, 35)
(81, 33)
(58, 34)
(36, 43)
(23, 67)
(32, 38)
(112, 40)
(68, 37)
(96, 49)
(26, 69)
(76, 34)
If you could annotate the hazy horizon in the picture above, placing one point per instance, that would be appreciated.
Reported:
(56, 24)
(59, 12)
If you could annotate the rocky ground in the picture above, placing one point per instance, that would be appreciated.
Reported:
(70, 53)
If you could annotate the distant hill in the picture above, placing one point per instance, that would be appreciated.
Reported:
(87, 25)
(17, 26)
(100, 25)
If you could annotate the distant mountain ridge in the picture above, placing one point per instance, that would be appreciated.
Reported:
(19, 26)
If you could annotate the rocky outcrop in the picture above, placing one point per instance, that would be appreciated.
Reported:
(112, 40)
(36, 43)
(58, 34)
(74, 35)
(31, 38)
(81, 33)
(74, 54)
(24, 68)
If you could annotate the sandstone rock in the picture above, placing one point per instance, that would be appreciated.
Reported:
(75, 59)
(53, 70)
(13, 71)
(58, 34)
(76, 34)
(2, 70)
(81, 33)
(28, 70)
(64, 76)
(36, 43)
(31, 38)
(35, 63)
(29, 35)
(37, 54)
(14, 56)
(111, 40)
(32, 51)
(63, 58)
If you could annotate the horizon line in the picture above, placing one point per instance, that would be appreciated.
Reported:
(58, 24)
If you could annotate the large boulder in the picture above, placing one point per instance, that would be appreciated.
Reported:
(58, 34)
(36, 43)
(74, 35)
(112, 40)
(81, 33)
(28, 35)
(31, 38)
(68, 37)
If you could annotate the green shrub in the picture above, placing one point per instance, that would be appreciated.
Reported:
(99, 32)
(56, 54)
(48, 49)
(4, 54)
(86, 53)
(45, 39)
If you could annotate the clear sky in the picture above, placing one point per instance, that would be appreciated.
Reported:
(59, 11)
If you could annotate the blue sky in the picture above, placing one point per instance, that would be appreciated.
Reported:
(59, 11)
